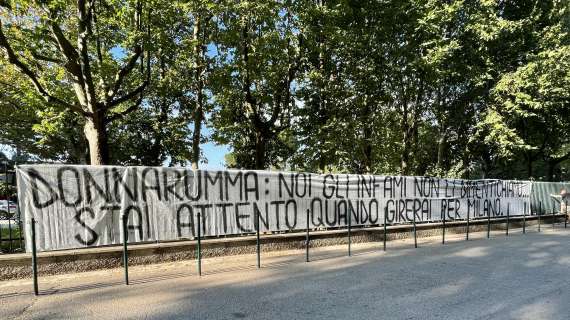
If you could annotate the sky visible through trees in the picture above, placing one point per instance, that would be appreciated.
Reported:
(470, 89)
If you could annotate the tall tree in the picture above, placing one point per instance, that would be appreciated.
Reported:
(259, 60)
(527, 120)
(100, 51)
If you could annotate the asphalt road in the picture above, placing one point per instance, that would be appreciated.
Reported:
(519, 277)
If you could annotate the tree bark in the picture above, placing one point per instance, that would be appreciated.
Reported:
(405, 141)
(529, 161)
(259, 151)
(365, 118)
(198, 117)
(198, 114)
(550, 170)
(441, 144)
(96, 135)
(157, 149)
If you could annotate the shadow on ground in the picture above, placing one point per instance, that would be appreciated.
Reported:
(515, 277)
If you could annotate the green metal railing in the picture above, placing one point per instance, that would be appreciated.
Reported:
(541, 205)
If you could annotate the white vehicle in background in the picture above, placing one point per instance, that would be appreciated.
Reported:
(8, 209)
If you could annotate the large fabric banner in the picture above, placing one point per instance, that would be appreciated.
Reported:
(82, 206)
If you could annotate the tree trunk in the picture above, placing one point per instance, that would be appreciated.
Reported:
(441, 143)
(466, 158)
(366, 166)
(96, 134)
(529, 165)
(198, 117)
(550, 166)
(405, 141)
(367, 157)
(157, 149)
(259, 151)
(198, 113)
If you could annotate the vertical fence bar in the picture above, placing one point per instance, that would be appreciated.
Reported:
(307, 239)
(539, 213)
(125, 248)
(9, 218)
(10, 230)
(21, 230)
(349, 235)
(467, 233)
(553, 218)
(443, 231)
(1, 240)
(257, 243)
(8, 208)
(199, 245)
(415, 233)
(20, 227)
(34, 258)
(524, 217)
(565, 214)
(508, 217)
(385, 221)
(489, 225)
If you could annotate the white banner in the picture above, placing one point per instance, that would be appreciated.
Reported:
(82, 206)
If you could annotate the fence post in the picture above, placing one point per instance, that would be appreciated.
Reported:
(34, 258)
(125, 248)
(10, 234)
(9, 222)
(539, 213)
(1, 240)
(443, 231)
(349, 238)
(385, 221)
(489, 225)
(257, 244)
(199, 245)
(553, 218)
(524, 217)
(20, 231)
(415, 233)
(8, 207)
(307, 239)
(467, 233)
(508, 217)
(565, 213)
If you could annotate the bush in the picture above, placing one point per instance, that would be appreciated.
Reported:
(7, 190)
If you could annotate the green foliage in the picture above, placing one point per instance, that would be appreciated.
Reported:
(7, 190)
(530, 108)
(254, 84)
(423, 87)
(134, 83)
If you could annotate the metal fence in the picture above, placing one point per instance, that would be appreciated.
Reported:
(11, 224)
(545, 201)
(125, 252)
(14, 241)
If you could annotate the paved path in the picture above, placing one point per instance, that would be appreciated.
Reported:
(519, 277)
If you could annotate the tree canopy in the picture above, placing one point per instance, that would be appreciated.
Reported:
(418, 87)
